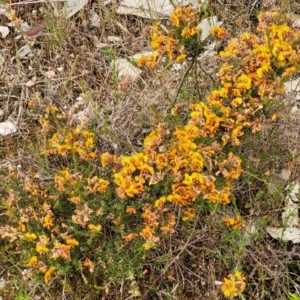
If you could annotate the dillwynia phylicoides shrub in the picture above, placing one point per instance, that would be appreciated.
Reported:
(90, 220)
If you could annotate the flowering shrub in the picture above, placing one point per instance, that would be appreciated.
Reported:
(95, 208)
(181, 39)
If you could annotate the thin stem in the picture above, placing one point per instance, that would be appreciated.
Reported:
(182, 80)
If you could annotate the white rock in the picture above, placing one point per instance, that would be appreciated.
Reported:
(292, 85)
(94, 19)
(296, 19)
(285, 174)
(73, 6)
(2, 283)
(4, 31)
(286, 234)
(7, 128)
(290, 214)
(126, 70)
(23, 51)
(152, 9)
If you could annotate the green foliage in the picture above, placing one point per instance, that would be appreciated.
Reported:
(294, 296)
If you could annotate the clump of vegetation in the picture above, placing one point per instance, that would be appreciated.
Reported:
(99, 217)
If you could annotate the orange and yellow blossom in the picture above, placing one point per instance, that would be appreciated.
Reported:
(229, 288)
(234, 285)
(75, 199)
(30, 236)
(189, 32)
(49, 273)
(176, 17)
(72, 242)
(219, 32)
(107, 158)
(160, 202)
(219, 196)
(182, 195)
(147, 232)
(94, 228)
(235, 222)
(33, 261)
(41, 245)
(61, 251)
(89, 264)
(167, 229)
(181, 57)
(150, 242)
(131, 210)
(48, 220)
(142, 61)
(243, 82)
(188, 214)
(129, 237)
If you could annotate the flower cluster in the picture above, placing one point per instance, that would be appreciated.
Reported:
(235, 222)
(219, 32)
(234, 285)
(180, 38)
(54, 219)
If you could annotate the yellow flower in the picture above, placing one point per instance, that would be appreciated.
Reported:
(235, 222)
(219, 32)
(30, 236)
(142, 61)
(175, 17)
(22, 227)
(157, 41)
(32, 261)
(239, 276)
(160, 202)
(150, 243)
(117, 220)
(188, 214)
(229, 288)
(89, 264)
(132, 190)
(48, 274)
(63, 149)
(48, 221)
(146, 169)
(72, 242)
(147, 232)
(166, 229)
(180, 57)
(237, 102)
(94, 228)
(107, 158)
(129, 237)
(61, 251)
(131, 210)
(87, 135)
(76, 200)
(212, 121)
(189, 32)
(101, 185)
(243, 82)
(274, 117)
(161, 161)
(12, 15)
(41, 248)
(224, 196)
